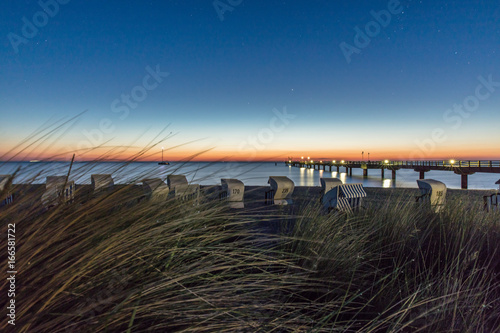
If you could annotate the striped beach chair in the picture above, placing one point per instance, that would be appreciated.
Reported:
(233, 191)
(433, 193)
(6, 197)
(344, 197)
(57, 190)
(280, 192)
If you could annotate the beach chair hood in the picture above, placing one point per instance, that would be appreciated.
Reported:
(436, 191)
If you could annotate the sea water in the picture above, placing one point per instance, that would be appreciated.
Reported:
(256, 173)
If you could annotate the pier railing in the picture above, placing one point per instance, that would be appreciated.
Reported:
(436, 163)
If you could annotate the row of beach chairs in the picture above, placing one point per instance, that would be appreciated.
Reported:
(334, 194)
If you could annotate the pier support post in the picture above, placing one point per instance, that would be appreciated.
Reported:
(350, 172)
(338, 169)
(422, 175)
(394, 174)
(346, 169)
(365, 172)
(382, 173)
(330, 168)
(464, 181)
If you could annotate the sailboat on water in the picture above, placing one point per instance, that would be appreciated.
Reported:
(162, 161)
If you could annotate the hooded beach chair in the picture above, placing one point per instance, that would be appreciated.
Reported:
(233, 191)
(183, 191)
(491, 201)
(280, 192)
(344, 197)
(6, 197)
(57, 190)
(102, 182)
(175, 180)
(328, 183)
(155, 188)
(433, 193)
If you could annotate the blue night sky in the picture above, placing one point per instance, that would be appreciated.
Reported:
(395, 96)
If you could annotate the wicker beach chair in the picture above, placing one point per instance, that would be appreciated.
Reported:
(233, 191)
(280, 192)
(433, 193)
(491, 201)
(58, 190)
(6, 197)
(327, 184)
(183, 191)
(155, 188)
(102, 182)
(344, 198)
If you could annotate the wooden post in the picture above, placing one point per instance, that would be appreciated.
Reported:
(394, 174)
(382, 173)
(338, 169)
(464, 181)
(422, 175)
(346, 169)
(350, 172)
(365, 172)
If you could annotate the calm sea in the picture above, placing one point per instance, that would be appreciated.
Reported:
(249, 173)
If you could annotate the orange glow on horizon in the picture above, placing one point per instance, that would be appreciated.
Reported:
(177, 155)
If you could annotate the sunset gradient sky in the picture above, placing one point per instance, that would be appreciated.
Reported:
(250, 80)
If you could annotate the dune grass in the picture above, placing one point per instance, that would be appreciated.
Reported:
(113, 263)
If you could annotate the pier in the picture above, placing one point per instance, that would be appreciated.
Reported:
(462, 168)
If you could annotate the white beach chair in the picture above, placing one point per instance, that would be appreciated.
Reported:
(58, 190)
(344, 197)
(233, 191)
(491, 202)
(6, 197)
(183, 191)
(433, 193)
(174, 180)
(281, 190)
(155, 188)
(328, 183)
(189, 193)
(101, 182)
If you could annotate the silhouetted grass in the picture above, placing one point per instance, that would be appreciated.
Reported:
(118, 262)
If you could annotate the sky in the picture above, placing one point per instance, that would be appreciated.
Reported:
(249, 80)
